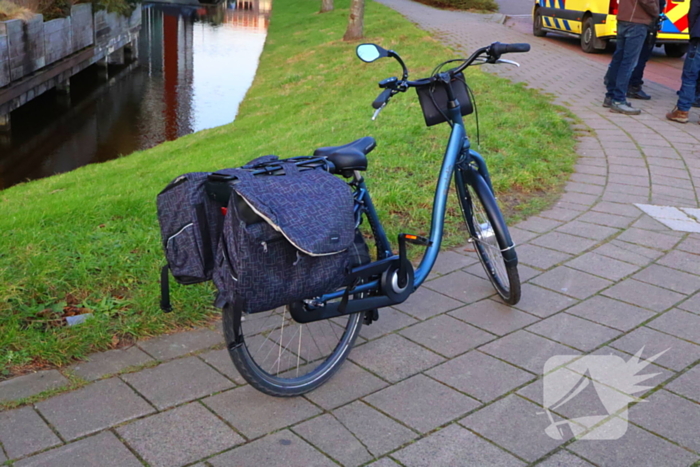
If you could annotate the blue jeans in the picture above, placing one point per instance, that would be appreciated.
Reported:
(689, 78)
(630, 40)
(636, 80)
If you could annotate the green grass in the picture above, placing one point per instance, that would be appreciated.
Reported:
(90, 238)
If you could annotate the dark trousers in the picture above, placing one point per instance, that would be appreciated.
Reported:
(631, 37)
(636, 80)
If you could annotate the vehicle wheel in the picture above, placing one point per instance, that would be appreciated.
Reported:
(675, 50)
(489, 234)
(537, 26)
(281, 357)
(588, 37)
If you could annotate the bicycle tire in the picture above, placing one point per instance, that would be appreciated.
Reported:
(279, 378)
(489, 234)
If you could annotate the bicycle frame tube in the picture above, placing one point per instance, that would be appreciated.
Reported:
(455, 146)
(454, 149)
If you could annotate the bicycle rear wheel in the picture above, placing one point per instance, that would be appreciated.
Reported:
(284, 358)
(489, 234)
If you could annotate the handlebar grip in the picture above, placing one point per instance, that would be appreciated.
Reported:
(382, 99)
(497, 49)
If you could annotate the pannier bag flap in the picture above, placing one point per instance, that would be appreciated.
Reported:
(312, 208)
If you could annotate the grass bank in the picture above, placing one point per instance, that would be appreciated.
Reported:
(89, 241)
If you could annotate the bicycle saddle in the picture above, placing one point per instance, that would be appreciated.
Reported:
(351, 156)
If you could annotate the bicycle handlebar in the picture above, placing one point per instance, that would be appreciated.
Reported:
(499, 49)
(382, 98)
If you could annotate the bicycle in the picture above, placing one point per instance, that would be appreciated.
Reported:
(267, 347)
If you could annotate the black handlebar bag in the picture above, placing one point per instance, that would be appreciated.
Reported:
(295, 245)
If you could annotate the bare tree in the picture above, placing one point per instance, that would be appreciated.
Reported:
(356, 21)
(326, 5)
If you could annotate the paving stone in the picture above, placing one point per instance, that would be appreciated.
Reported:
(678, 323)
(326, 433)
(400, 358)
(679, 354)
(103, 449)
(526, 350)
(637, 448)
(521, 236)
(670, 416)
(422, 403)
(493, 316)
(2, 456)
(254, 414)
(175, 382)
(179, 436)
(538, 224)
(450, 261)
(480, 375)
(588, 230)
(692, 304)
(571, 282)
(539, 257)
(454, 446)
(31, 384)
(23, 432)
(542, 302)
(93, 408)
(110, 362)
(657, 240)
(579, 198)
(349, 383)
(462, 286)
(628, 252)
(182, 343)
(564, 242)
(446, 335)
(669, 278)
(520, 429)
(564, 459)
(389, 320)
(690, 244)
(383, 462)
(612, 313)
(687, 262)
(424, 303)
(584, 188)
(609, 221)
(379, 433)
(688, 384)
(284, 446)
(617, 209)
(645, 295)
(575, 332)
(603, 266)
(221, 360)
(560, 214)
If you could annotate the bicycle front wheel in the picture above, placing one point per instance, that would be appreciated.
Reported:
(489, 234)
(284, 358)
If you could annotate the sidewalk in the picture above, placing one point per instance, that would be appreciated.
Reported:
(452, 376)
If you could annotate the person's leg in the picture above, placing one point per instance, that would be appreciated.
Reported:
(637, 78)
(611, 74)
(696, 103)
(635, 36)
(689, 81)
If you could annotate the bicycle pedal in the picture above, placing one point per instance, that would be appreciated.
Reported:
(371, 316)
(416, 239)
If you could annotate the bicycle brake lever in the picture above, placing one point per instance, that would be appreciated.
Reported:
(376, 112)
(510, 62)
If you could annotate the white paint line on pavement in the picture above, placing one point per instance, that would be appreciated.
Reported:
(680, 219)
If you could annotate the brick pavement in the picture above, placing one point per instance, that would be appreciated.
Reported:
(603, 278)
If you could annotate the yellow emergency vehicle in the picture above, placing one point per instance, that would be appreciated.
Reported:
(595, 22)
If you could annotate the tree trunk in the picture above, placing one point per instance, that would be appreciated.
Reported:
(356, 21)
(326, 5)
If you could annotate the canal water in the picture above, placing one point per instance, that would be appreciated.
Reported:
(195, 65)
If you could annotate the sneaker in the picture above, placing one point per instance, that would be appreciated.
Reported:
(678, 115)
(624, 108)
(638, 93)
(607, 102)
